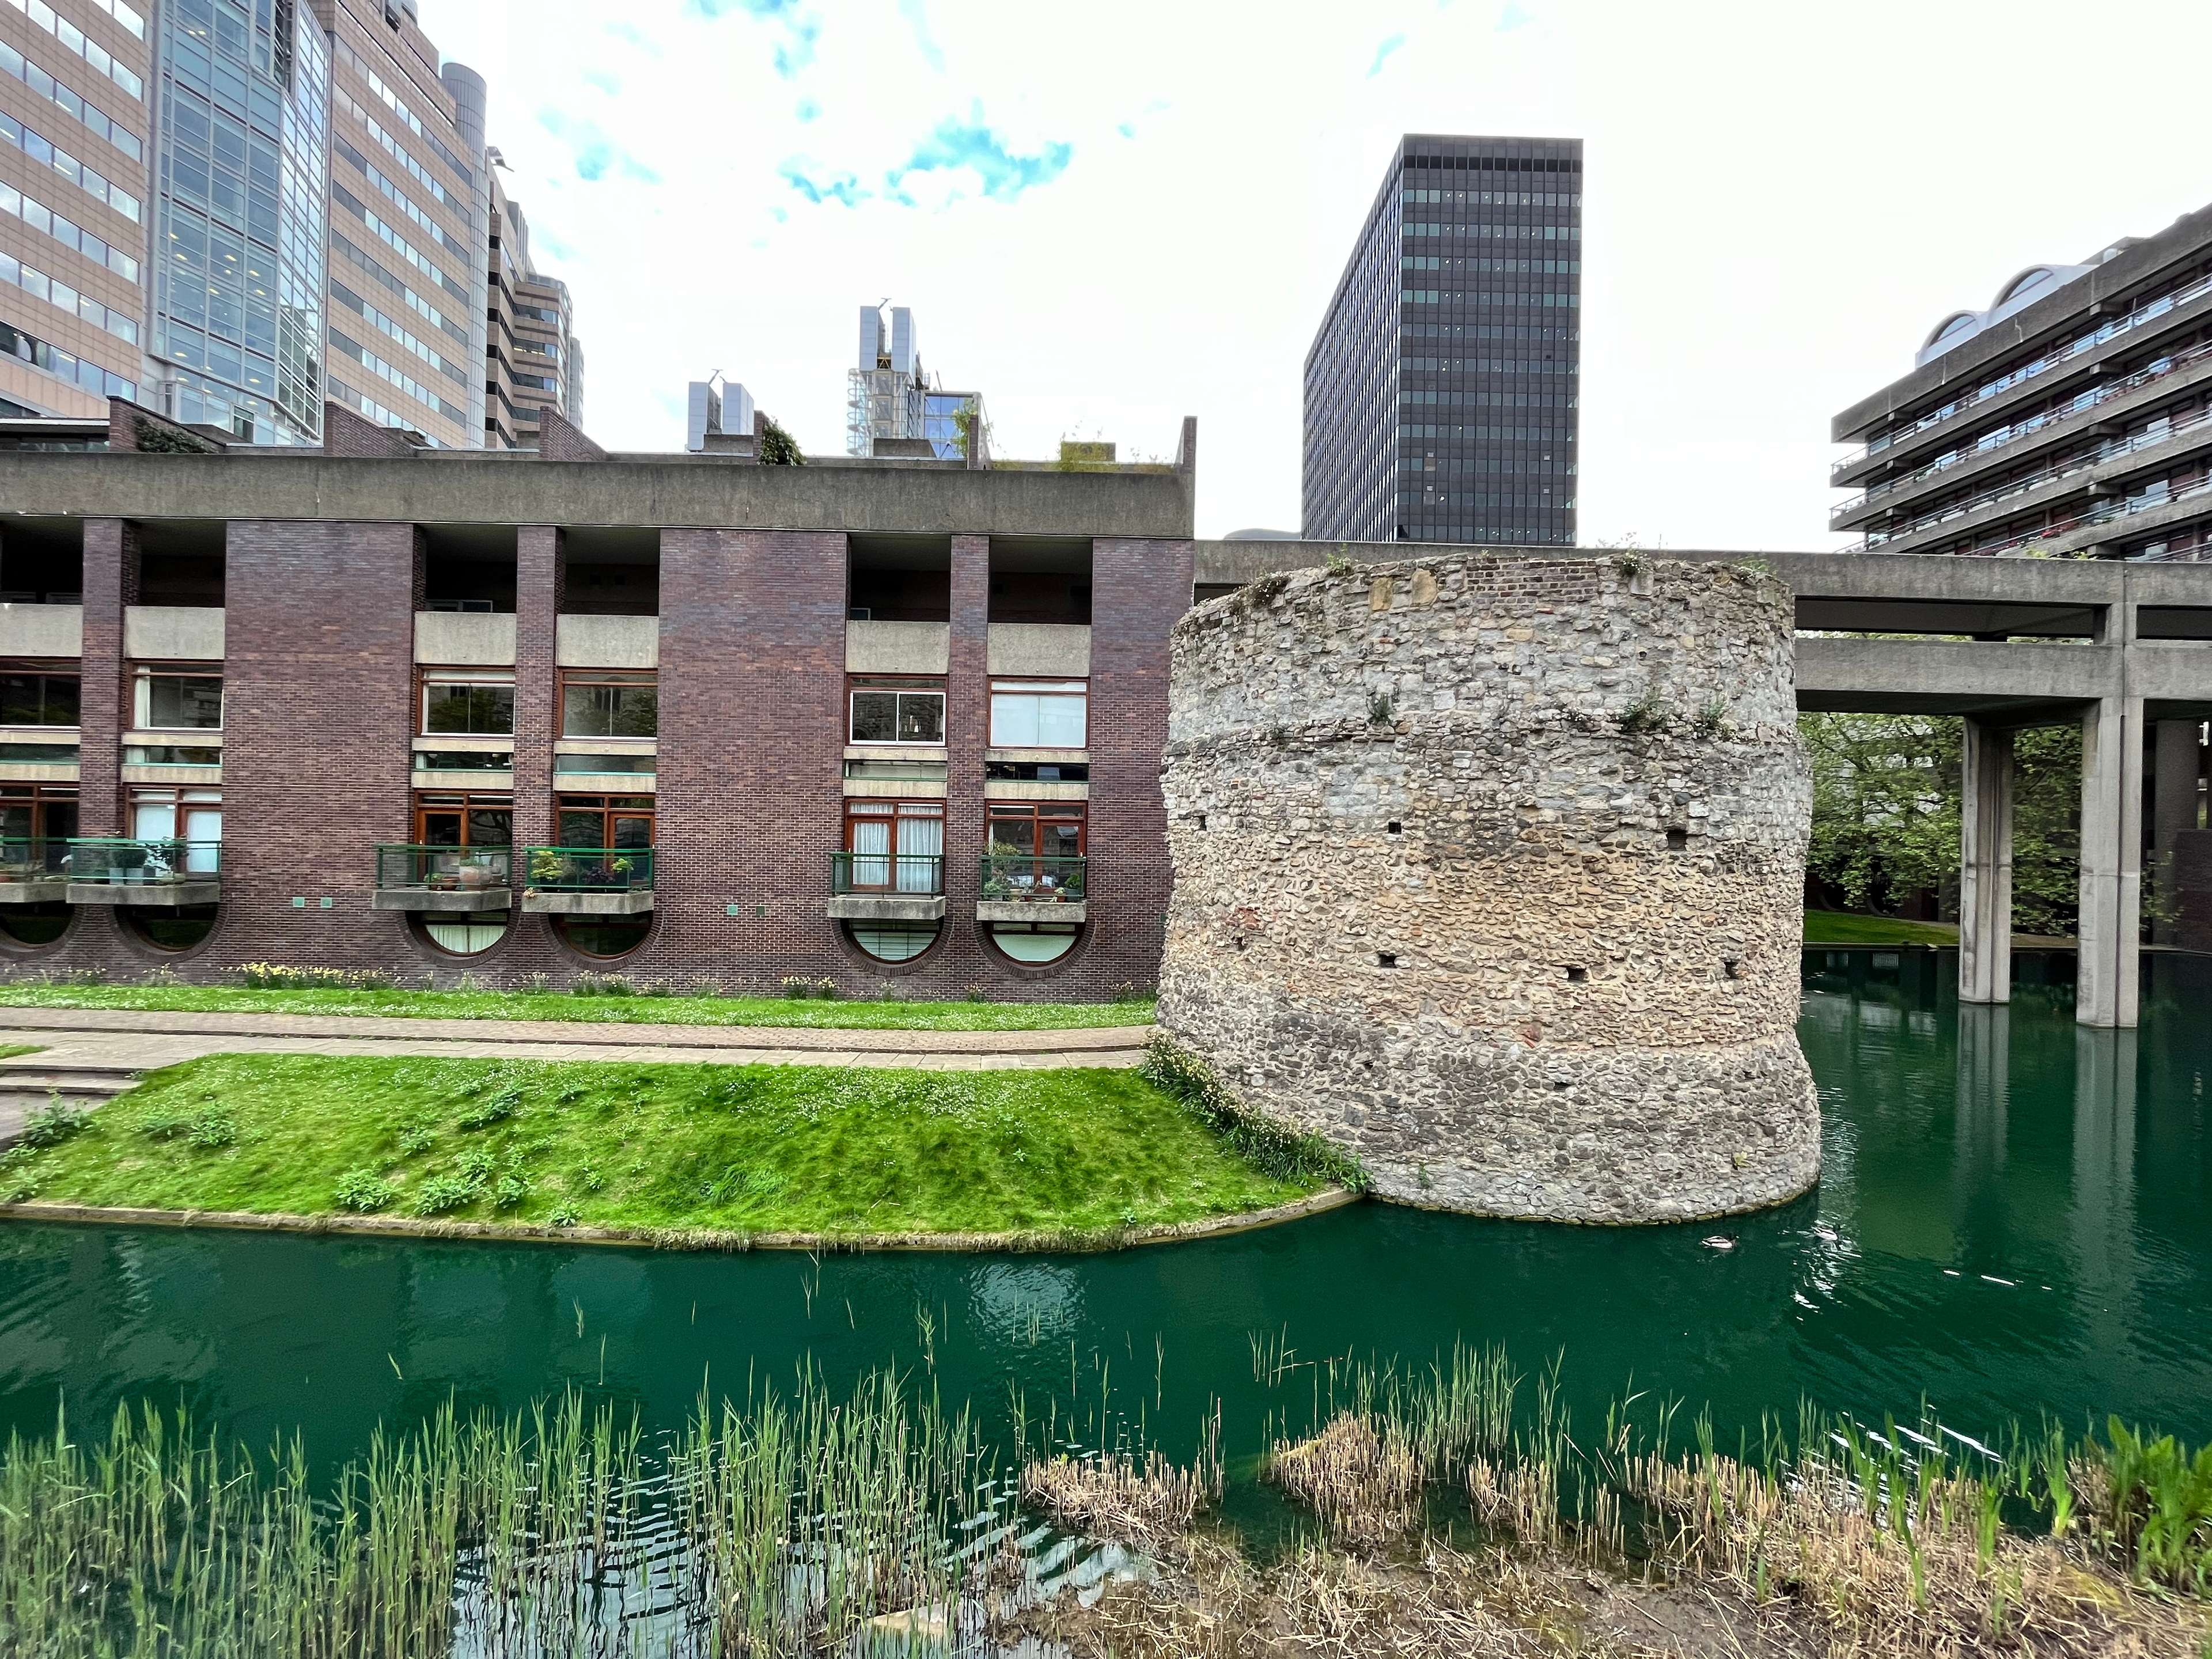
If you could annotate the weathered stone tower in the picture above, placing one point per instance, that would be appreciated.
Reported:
(1491, 869)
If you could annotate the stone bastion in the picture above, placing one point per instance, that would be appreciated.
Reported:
(1491, 871)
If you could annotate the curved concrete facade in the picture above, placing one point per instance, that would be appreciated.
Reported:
(1491, 869)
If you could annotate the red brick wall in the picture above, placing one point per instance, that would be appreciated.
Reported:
(318, 705)
(111, 585)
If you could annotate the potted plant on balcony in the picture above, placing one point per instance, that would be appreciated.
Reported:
(620, 870)
(474, 871)
(544, 867)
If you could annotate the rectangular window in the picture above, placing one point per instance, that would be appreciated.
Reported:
(898, 711)
(896, 846)
(599, 822)
(28, 698)
(1039, 713)
(599, 703)
(1046, 829)
(468, 702)
(36, 821)
(193, 816)
(463, 820)
(178, 700)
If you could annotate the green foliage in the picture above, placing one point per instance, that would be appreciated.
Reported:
(777, 447)
(363, 1192)
(52, 1124)
(1275, 1148)
(1647, 714)
(1886, 814)
(206, 1127)
(2158, 1506)
(730, 1148)
(272, 977)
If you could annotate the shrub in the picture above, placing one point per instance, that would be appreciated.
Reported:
(510, 1192)
(826, 989)
(415, 1138)
(496, 1109)
(208, 1127)
(797, 987)
(52, 1124)
(363, 1192)
(441, 1195)
(1274, 1149)
(565, 1215)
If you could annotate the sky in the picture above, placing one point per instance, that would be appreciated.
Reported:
(1107, 218)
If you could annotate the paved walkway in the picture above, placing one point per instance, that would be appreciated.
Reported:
(91, 1042)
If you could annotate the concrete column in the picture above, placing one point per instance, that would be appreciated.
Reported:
(2106, 990)
(2177, 762)
(1985, 866)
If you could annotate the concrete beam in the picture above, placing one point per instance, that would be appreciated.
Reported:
(660, 491)
(2034, 683)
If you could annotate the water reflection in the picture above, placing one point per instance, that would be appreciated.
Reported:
(2011, 1219)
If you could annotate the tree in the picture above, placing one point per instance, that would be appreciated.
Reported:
(777, 447)
(1885, 814)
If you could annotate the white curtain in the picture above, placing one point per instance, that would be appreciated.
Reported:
(920, 842)
(871, 845)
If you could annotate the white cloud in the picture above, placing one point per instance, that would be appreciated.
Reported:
(1780, 201)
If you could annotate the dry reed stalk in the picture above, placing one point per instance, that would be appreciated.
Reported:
(1365, 1484)
(1904, 1570)
(1116, 1496)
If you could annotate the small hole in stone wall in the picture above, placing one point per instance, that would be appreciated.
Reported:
(1558, 1087)
(1201, 820)
(1732, 966)
(1384, 959)
(1240, 943)
(1395, 828)
(1577, 976)
(1677, 840)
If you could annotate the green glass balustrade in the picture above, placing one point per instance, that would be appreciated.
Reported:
(919, 875)
(589, 869)
(1008, 876)
(33, 858)
(117, 861)
(444, 869)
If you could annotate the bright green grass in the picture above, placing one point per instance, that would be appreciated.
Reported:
(10, 1050)
(1836, 928)
(628, 1011)
(742, 1148)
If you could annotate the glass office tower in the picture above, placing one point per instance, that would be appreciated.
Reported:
(242, 205)
(1441, 388)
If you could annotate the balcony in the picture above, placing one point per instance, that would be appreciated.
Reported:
(886, 887)
(34, 871)
(589, 881)
(167, 871)
(454, 878)
(1015, 886)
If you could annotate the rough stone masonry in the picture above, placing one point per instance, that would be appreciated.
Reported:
(1490, 870)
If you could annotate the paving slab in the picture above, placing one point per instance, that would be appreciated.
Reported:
(142, 1041)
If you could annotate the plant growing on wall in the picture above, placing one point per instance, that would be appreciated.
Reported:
(777, 447)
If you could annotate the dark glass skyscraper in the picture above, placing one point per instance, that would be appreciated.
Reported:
(1441, 390)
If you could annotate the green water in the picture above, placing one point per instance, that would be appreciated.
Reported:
(2015, 1219)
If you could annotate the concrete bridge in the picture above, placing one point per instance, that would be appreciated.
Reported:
(2124, 651)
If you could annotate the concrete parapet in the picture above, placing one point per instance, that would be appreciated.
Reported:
(1490, 868)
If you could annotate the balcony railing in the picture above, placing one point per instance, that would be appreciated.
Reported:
(113, 862)
(917, 875)
(2095, 398)
(444, 869)
(2104, 514)
(32, 859)
(1033, 878)
(589, 869)
(2149, 310)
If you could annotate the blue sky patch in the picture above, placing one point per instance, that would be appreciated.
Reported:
(1382, 54)
(828, 187)
(1003, 173)
(596, 156)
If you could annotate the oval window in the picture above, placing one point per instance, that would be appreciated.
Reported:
(1033, 944)
(892, 941)
(462, 933)
(34, 925)
(603, 936)
(171, 928)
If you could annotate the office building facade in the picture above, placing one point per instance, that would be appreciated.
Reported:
(2072, 418)
(532, 362)
(893, 407)
(228, 211)
(1441, 388)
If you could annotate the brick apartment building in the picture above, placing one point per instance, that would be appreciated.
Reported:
(685, 717)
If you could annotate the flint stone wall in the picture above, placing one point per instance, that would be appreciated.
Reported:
(1491, 871)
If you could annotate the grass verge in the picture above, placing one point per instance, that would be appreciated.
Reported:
(619, 1009)
(662, 1148)
(1837, 927)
